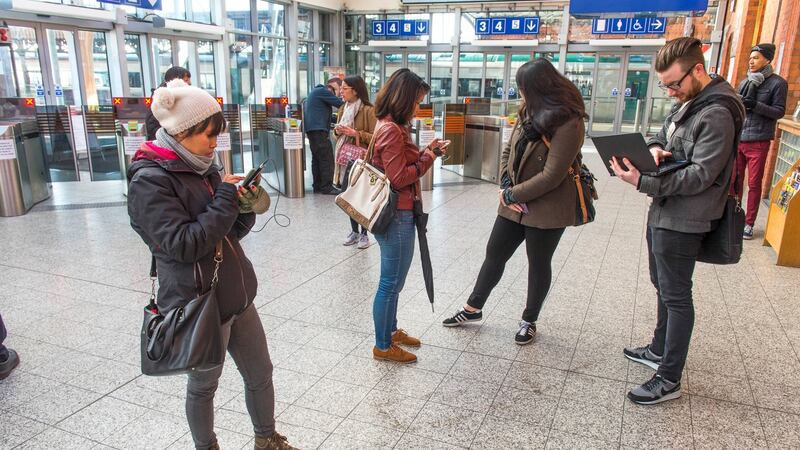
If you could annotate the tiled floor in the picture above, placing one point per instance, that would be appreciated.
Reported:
(73, 282)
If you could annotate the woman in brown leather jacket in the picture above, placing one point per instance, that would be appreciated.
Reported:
(537, 199)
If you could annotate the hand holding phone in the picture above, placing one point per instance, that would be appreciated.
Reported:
(251, 176)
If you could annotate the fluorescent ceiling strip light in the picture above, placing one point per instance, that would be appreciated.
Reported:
(505, 42)
(627, 42)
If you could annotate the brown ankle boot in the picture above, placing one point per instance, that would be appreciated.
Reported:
(400, 337)
(274, 442)
(395, 354)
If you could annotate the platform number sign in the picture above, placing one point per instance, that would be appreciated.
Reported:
(483, 26)
(506, 25)
(400, 27)
(499, 26)
(393, 28)
(379, 28)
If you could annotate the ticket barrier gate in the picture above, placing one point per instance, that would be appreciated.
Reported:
(24, 176)
(130, 114)
(230, 147)
(277, 134)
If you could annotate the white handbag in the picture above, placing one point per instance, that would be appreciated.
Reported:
(369, 199)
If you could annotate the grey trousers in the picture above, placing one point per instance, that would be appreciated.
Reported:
(247, 344)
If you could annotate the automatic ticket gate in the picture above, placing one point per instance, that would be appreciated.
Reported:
(130, 115)
(277, 135)
(24, 176)
(230, 148)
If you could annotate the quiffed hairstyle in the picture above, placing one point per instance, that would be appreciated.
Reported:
(686, 51)
(398, 97)
(358, 85)
(550, 99)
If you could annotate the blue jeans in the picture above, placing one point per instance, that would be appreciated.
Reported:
(397, 251)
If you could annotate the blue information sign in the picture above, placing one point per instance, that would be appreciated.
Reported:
(531, 25)
(637, 25)
(401, 27)
(421, 27)
(514, 25)
(393, 28)
(379, 28)
(499, 26)
(482, 26)
(634, 6)
(143, 4)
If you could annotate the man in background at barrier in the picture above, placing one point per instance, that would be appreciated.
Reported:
(317, 115)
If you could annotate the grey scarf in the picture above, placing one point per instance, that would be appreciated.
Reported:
(201, 165)
(758, 77)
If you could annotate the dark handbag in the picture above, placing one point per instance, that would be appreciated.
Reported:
(187, 338)
(584, 184)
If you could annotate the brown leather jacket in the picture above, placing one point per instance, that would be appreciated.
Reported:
(364, 123)
(401, 161)
(541, 180)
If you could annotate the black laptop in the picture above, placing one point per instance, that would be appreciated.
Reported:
(633, 147)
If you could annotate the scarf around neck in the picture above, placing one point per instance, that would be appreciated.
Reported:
(348, 117)
(201, 165)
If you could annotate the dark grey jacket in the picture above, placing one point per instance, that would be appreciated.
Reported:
(181, 216)
(770, 96)
(706, 131)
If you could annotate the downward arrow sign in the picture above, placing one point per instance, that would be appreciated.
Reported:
(530, 26)
(420, 27)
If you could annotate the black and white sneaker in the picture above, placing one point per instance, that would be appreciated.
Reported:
(656, 390)
(461, 317)
(526, 333)
(643, 355)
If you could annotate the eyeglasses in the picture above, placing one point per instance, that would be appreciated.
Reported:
(347, 88)
(677, 84)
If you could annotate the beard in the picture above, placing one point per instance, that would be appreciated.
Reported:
(694, 91)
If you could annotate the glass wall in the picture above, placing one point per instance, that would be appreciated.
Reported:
(372, 72)
(241, 67)
(470, 75)
(162, 53)
(272, 61)
(94, 59)
(26, 58)
(441, 77)
(133, 59)
(206, 73)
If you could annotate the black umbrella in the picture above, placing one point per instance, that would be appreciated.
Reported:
(421, 221)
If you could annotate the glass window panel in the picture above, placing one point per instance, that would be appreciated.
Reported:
(187, 50)
(26, 61)
(372, 73)
(392, 62)
(580, 70)
(517, 60)
(549, 26)
(306, 76)
(495, 72)
(271, 18)
(305, 29)
(324, 61)
(64, 66)
(133, 59)
(325, 27)
(441, 77)
(162, 54)
(442, 28)
(174, 9)
(637, 79)
(7, 86)
(468, 26)
(418, 63)
(94, 58)
(604, 112)
(201, 11)
(206, 75)
(238, 12)
(241, 63)
(351, 61)
(368, 25)
(470, 75)
(353, 29)
(273, 60)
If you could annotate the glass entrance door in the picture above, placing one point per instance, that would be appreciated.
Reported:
(621, 98)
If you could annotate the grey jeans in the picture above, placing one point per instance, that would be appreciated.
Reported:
(247, 344)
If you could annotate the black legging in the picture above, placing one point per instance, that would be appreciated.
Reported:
(505, 238)
(354, 227)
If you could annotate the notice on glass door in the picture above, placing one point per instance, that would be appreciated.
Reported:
(507, 132)
(292, 140)
(426, 137)
(224, 142)
(132, 143)
(7, 150)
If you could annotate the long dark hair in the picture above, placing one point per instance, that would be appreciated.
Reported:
(358, 85)
(398, 97)
(550, 99)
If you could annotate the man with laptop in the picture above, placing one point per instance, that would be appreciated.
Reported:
(687, 202)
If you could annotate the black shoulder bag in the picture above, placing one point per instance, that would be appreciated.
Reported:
(188, 338)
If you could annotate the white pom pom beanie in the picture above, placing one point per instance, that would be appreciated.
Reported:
(178, 106)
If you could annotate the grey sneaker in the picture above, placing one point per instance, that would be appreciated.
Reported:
(748, 232)
(527, 331)
(656, 390)
(363, 242)
(352, 239)
(643, 355)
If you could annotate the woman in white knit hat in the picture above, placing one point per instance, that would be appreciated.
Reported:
(182, 208)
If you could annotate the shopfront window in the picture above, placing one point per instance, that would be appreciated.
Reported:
(271, 18)
(238, 12)
(206, 74)
(441, 77)
(241, 64)
(305, 23)
(272, 62)
(133, 59)
(26, 60)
